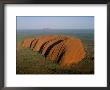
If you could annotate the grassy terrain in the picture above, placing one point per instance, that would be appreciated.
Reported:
(29, 62)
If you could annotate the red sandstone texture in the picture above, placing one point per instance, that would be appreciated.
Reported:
(64, 50)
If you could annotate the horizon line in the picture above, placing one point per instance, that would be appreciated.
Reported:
(55, 29)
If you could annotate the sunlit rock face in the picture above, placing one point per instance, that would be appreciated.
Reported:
(64, 50)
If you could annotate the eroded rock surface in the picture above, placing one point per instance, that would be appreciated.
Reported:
(64, 50)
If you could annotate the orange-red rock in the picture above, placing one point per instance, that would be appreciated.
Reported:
(65, 50)
(27, 42)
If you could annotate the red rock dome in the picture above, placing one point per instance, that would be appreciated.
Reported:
(64, 50)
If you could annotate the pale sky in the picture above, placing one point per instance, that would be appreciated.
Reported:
(54, 22)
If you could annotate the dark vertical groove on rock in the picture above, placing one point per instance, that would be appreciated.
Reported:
(35, 44)
(41, 48)
(59, 53)
(60, 57)
(32, 42)
(51, 46)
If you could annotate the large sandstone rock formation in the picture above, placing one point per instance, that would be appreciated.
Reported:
(64, 50)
